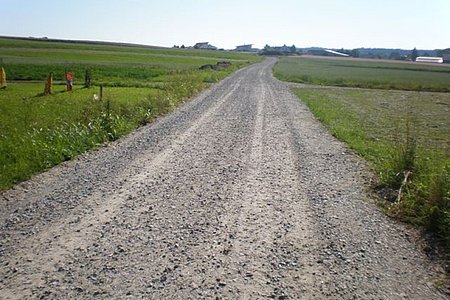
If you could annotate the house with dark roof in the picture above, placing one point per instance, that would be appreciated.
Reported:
(204, 46)
(283, 49)
(244, 48)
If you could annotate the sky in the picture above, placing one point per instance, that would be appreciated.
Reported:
(345, 24)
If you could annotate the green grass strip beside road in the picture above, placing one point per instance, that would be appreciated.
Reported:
(396, 132)
(38, 132)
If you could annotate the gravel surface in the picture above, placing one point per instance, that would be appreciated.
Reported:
(238, 194)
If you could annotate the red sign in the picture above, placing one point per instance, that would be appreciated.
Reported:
(70, 76)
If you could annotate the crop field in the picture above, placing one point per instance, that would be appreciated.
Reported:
(140, 83)
(110, 65)
(364, 73)
(397, 131)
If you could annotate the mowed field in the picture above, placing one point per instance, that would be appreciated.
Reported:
(365, 73)
(397, 131)
(140, 83)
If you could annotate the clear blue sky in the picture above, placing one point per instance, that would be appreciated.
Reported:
(227, 23)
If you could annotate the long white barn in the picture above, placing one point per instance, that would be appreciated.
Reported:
(428, 59)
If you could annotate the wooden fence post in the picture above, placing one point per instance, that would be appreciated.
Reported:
(48, 84)
(2, 75)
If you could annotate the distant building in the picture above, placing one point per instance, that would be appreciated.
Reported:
(318, 52)
(204, 46)
(279, 50)
(335, 53)
(429, 59)
(244, 48)
(326, 52)
(282, 49)
(446, 58)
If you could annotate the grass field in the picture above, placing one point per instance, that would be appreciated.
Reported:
(140, 83)
(111, 65)
(364, 73)
(398, 132)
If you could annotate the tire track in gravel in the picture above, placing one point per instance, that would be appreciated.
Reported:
(239, 194)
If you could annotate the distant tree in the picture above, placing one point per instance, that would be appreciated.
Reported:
(394, 55)
(354, 53)
(182, 47)
(87, 78)
(271, 51)
(414, 54)
(293, 49)
(426, 54)
(444, 51)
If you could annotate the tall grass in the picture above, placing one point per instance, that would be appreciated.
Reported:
(44, 131)
(395, 146)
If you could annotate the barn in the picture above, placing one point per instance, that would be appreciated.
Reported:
(430, 59)
(335, 53)
(204, 46)
(244, 48)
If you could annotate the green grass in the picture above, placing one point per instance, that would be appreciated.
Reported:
(396, 131)
(364, 74)
(38, 132)
(22, 45)
(141, 83)
(26, 60)
(40, 52)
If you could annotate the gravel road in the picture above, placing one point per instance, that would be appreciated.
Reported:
(238, 194)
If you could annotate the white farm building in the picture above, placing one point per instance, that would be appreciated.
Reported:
(427, 59)
(337, 53)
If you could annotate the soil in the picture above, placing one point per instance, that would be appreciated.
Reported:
(238, 194)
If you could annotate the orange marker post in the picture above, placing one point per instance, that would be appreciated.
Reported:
(2, 78)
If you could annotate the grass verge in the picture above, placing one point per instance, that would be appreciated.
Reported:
(38, 132)
(398, 133)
